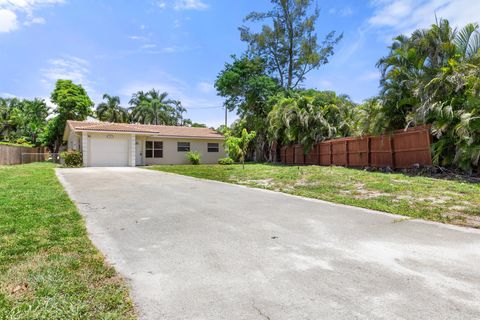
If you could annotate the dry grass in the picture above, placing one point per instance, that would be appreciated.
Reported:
(456, 202)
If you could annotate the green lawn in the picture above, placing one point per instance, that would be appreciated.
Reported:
(417, 197)
(49, 269)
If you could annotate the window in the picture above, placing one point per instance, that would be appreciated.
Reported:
(183, 146)
(153, 149)
(212, 147)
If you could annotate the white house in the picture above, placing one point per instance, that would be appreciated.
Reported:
(105, 144)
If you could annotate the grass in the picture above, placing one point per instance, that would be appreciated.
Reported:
(49, 269)
(416, 197)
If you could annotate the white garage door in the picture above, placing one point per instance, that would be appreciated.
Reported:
(108, 151)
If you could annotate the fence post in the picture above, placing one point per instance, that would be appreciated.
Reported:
(317, 150)
(331, 153)
(429, 143)
(392, 153)
(346, 153)
(369, 156)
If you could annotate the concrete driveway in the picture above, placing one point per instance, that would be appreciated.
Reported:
(196, 249)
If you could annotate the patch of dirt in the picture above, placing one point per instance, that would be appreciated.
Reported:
(305, 183)
(19, 289)
(463, 219)
(435, 200)
(361, 193)
(260, 182)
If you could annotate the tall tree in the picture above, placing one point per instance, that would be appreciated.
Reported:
(289, 44)
(36, 113)
(247, 88)
(22, 119)
(310, 116)
(153, 107)
(110, 110)
(432, 77)
(72, 103)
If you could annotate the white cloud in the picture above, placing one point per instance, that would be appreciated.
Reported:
(11, 9)
(142, 38)
(7, 95)
(177, 23)
(160, 4)
(68, 68)
(205, 87)
(8, 20)
(35, 20)
(171, 49)
(190, 5)
(149, 46)
(404, 16)
(346, 12)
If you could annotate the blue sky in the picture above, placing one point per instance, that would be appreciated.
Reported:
(179, 46)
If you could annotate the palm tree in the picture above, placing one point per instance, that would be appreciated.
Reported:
(4, 119)
(35, 113)
(433, 77)
(467, 41)
(111, 110)
(310, 117)
(153, 107)
(179, 111)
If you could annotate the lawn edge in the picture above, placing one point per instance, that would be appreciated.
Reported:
(366, 210)
(67, 189)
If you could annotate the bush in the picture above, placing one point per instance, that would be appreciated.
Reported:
(226, 161)
(73, 159)
(194, 157)
(23, 141)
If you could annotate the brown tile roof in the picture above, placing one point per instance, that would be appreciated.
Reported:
(164, 131)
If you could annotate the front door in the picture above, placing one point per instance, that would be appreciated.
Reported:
(139, 152)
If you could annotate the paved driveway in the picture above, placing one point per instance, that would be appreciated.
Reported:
(195, 249)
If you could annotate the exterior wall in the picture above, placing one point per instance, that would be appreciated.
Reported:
(74, 141)
(172, 156)
(81, 142)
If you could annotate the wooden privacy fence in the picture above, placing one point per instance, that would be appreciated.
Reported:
(401, 149)
(18, 155)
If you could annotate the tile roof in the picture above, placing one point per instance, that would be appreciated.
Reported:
(164, 131)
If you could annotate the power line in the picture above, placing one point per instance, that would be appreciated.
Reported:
(199, 108)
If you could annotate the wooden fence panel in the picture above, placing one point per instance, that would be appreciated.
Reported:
(10, 155)
(283, 151)
(358, 152)
(299, 154)
(401, 149)
(311, 158)
(339, 152)
(325, 153)
(412, 148)
(289, 155)
(380, 152)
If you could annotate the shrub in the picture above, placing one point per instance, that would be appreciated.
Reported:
(226, 161)
(73, 159)
(194, 157)
(23, 141)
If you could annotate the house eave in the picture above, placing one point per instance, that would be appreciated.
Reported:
(150, 134)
